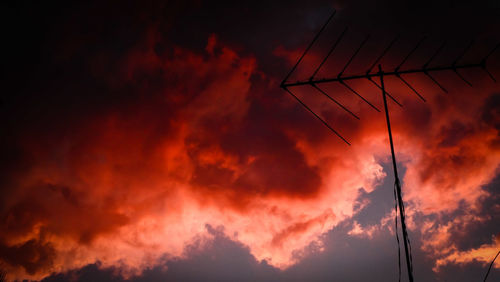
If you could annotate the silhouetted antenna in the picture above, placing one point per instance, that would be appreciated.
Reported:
(463, 53)
(343, 83)
(318, 117)
(329, 53)
(383, 54)
(483, 62)
(409, 54)
(375, 63)
(490, 53)
(410, 86)
(489, 268)
(335, 101)
(353, 56)
(434, 55)
(388, 95)
(435, 81)
(342, 79)
(310, 45)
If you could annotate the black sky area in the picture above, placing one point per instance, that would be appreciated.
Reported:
(49, 83)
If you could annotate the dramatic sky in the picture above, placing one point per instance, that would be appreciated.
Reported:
(150, 141)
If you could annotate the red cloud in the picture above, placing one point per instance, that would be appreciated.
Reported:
(208, 139)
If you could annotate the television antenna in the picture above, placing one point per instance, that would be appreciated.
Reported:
(372, 76)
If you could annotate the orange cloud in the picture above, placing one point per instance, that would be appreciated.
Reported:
(208, 139)
(484, 254)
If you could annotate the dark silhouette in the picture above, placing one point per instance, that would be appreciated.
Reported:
(489, 268)
(369, 75)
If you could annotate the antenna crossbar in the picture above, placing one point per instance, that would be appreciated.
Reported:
(371, 76)
(385, 73)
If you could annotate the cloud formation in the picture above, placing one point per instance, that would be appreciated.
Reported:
(171, 138)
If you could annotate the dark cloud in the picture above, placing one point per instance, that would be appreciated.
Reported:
(474, 233)
(122, 119)
(62, 212)
(34, 256)
(491, 115)
(204, 263)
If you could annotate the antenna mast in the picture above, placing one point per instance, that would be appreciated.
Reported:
(369, 75)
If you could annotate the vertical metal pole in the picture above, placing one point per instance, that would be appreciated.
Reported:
(398, 185)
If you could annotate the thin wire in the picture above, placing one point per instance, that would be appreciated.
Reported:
(435, 54)
(354, 55)
(489, 74)
(402, 210)
(396, 231)
(309, 47)
(336, 102)
(357, 94)
(411, 52)
(383, 54)
(491, 52)
(462, 78)
(436, 82)
(317, 116)
(489, 268)
(386, 93)
(329, 53)
(463, 52)
(411, 87)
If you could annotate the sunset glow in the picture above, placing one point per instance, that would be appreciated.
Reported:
(134, 155)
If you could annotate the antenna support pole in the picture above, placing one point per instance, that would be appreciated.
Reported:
(342, 79)
(397, 183)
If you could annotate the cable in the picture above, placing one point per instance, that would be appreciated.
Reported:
(489, 268)
(309, 46)
(396, 231)
(405, 233)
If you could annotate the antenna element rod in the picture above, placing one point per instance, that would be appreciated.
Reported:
(309, 46)
(317, 116)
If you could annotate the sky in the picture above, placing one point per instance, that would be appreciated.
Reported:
(151, 141)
